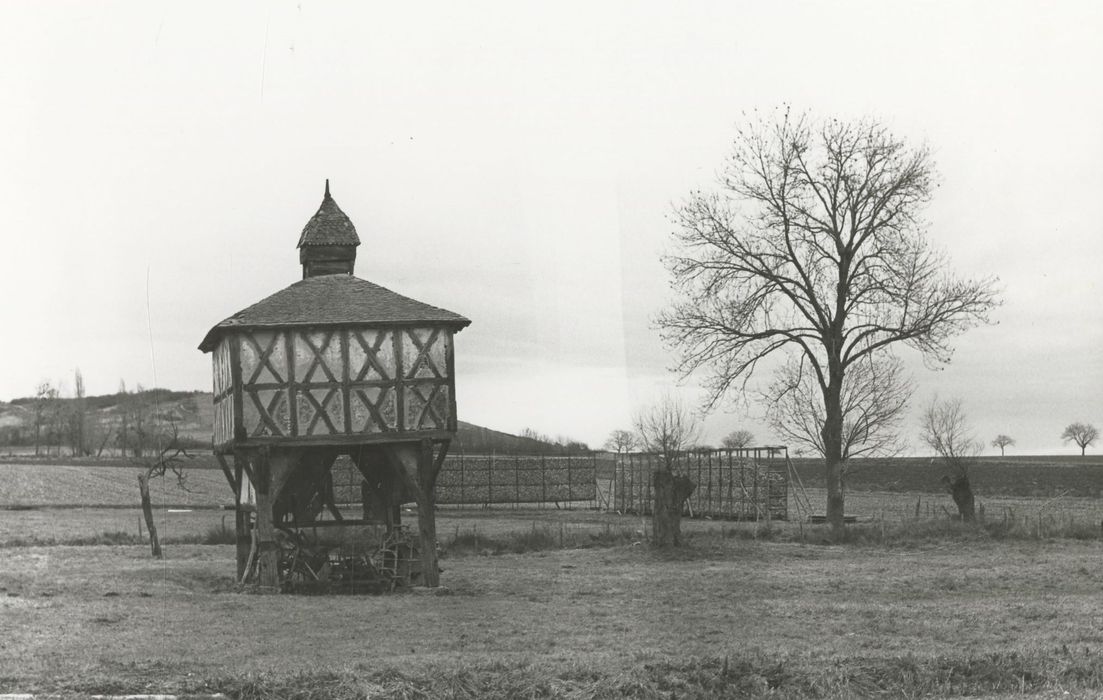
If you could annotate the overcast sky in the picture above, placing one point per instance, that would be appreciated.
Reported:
(518, 164)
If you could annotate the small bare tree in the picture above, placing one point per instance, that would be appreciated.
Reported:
(171, 458)
(45, 395)
(738, 439)
(622, 441)
(77, 417)
(945, 429)
(874, 395)
(668, 429)
(1003, 441)
(1083, 434)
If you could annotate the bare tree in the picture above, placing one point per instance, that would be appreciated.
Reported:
(622, 441)
(945, 429)
(44, 396)
(815, 248)
(738, 439)
(136, 425)
(57, 422)
(171, 458)
(1083, 434)
(1003, 441)
(875, 393)
(77, 416)
(668, 429)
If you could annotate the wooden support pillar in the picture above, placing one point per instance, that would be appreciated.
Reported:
(272, 469)
(426, 514)
(417, 468)
(267, 554)
(242, 520)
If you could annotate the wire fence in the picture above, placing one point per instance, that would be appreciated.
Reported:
(748, 484)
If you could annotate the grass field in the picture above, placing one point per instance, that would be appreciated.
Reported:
(1038, 476)
(61, 485)
(726, 617)
(561, 603)
(898, 507)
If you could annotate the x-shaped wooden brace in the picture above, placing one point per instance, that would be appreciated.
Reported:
(426, 408)
(374, 407)
(318, 360)
(423, 356)
(320, 412)
(371, 354)
(263, 357)
(265, 413)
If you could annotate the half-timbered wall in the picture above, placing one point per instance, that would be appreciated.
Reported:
(223, 395)
(320, 383)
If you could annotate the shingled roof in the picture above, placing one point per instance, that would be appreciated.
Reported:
(333, 300)
(329, 226)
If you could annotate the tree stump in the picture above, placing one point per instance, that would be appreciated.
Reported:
(671, 493)
(147, 512)
(962, 493)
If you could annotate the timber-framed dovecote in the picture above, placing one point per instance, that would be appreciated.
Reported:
(331, 365)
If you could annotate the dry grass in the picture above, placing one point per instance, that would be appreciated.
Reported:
(724, 617)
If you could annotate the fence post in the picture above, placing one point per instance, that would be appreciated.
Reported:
(709, 506)
(757, 508)
(570, 488)
(731, 484)
(596, 505)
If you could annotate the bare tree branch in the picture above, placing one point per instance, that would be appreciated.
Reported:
(1083, 434)
(668, 429)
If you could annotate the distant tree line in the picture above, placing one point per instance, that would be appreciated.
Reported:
(126, 423)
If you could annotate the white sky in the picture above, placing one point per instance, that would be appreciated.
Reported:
(517, 164)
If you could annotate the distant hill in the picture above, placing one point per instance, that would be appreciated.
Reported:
(475, 439)
(193, 414)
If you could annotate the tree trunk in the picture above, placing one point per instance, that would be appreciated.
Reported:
(833, 458)
(147, 511)
(671, 493)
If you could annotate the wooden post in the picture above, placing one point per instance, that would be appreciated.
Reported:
(242, 523)
(416, 467)
(273, 469)
(426, 515)
(268, 574)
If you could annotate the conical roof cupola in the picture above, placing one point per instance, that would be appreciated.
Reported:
(328, 243)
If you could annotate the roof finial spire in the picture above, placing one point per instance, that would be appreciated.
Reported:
(327, 188)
